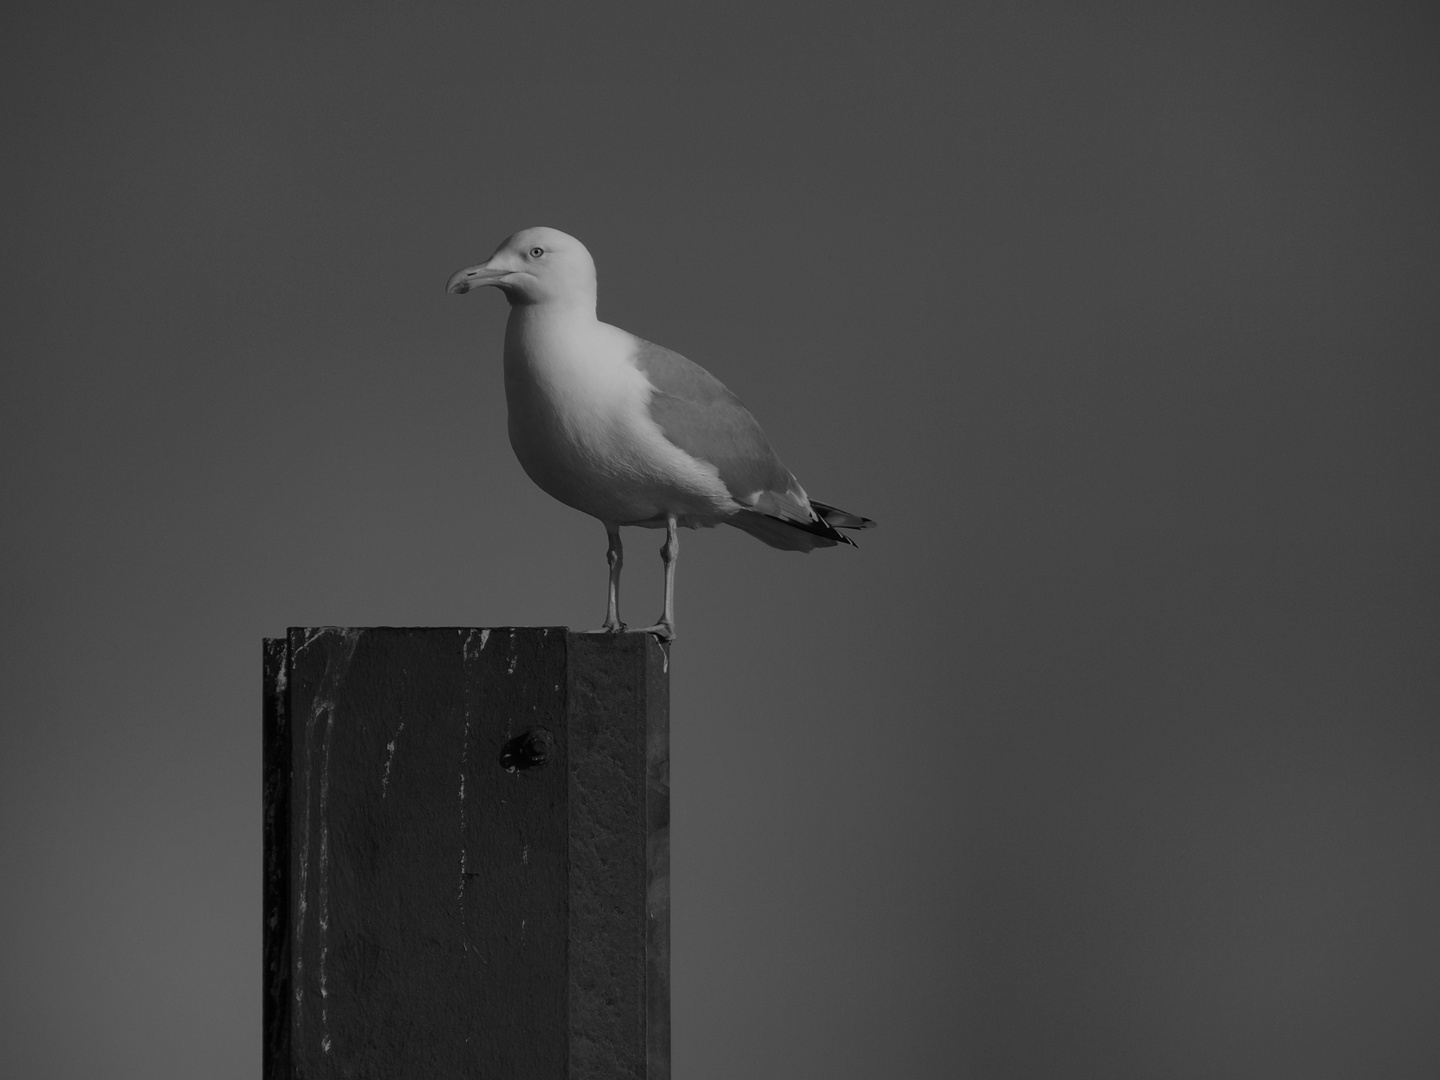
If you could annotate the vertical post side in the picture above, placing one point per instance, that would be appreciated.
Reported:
(275, 933)
(657, 860)
(619, 886)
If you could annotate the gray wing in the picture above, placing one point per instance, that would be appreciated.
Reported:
(701, 416)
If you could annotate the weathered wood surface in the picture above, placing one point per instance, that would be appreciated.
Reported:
(466, 854)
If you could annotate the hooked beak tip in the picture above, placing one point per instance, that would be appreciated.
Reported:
(472, 277)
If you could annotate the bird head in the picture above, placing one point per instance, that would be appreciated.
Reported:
(535, 266)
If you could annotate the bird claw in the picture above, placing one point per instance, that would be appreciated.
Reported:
(662, 631)
(608, 628)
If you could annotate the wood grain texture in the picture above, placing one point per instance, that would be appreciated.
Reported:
(466, 858)
(275, 893)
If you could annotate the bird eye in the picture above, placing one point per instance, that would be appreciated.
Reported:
(536, 252)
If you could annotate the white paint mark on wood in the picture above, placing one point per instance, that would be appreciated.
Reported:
(316, 633)
(464, 763)
(389, 757)
(470, 637)
(336, 667)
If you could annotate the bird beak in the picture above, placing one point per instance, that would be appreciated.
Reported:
(472, 277)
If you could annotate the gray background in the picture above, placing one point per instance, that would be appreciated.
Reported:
(1112, 753)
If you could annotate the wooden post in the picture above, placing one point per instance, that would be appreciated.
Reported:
(466, 854)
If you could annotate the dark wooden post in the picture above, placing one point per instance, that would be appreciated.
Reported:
(466, 854)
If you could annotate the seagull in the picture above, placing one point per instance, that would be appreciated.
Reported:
(629, 432)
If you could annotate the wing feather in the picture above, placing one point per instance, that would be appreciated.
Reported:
(700, 415)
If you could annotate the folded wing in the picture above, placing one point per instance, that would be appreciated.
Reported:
(699, 414)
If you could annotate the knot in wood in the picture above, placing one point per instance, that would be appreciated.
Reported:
(527, 750)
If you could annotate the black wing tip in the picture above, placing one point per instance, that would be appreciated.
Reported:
(821, 528)
(830, 530)
(836, 518)
(788, 534)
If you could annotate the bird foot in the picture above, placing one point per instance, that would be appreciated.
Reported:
(661, 630)
(608, 628)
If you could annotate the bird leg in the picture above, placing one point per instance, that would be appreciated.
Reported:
(670, 555)
(615, 557)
